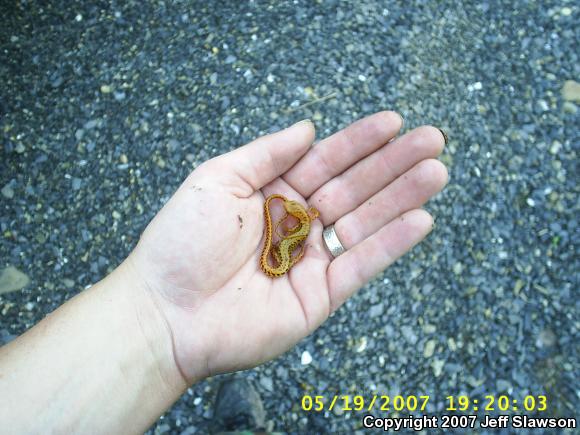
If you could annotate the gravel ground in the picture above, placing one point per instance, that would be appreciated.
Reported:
(106, 106)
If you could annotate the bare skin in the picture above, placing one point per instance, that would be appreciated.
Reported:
(191, 297)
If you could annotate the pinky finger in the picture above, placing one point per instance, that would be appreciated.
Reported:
(353, 269)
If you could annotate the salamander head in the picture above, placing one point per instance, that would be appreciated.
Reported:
(294, 208)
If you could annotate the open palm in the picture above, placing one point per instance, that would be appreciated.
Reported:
(199, 257)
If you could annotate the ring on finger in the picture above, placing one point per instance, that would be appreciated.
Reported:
(332, 241)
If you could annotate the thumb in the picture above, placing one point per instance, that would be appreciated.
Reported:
(270, 156)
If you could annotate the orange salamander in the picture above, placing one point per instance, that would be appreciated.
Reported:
(294, 237)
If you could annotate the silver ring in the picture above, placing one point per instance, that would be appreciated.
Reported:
(332, 242)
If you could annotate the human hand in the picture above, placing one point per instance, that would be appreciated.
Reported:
(199, 257)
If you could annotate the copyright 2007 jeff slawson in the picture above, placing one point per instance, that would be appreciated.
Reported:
(466, 421)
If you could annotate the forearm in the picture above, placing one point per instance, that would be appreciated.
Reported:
(101, 363)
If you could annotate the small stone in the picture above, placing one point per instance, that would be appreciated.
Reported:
(376, 311)
(546, 338)
(362, 345)
(267, 383)
(555, 148)
(230, 59)
(437, 366)
(92, 123)
(569, 107)
(571, 90)
(123, 159)
(76, 183)
(69, 283)
(566, 11)
(543, 105)
(56, 80)
(475, 382)
(503, 386)
(471, 290)
(7, 191)
(429, 329)
(116, 215)
(409, 334)
(173, 144)
(106, 89)
(160, 162)
(451, 344)
(518, 286)
(19, 148)
(11, 279)
(477, 86)
(306, 358)
(429, 349)
(162, 428)
(119, 95)
(338, 410)
(389, 330)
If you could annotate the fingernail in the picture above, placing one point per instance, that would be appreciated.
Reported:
(304, 120)
(445, 137)
(402, 120)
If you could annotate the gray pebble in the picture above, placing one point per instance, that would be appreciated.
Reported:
(12, 279)
(376, 311)
(7, 191)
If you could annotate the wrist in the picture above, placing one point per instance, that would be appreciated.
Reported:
(175, 309)
(105, 356)
(150, 324)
